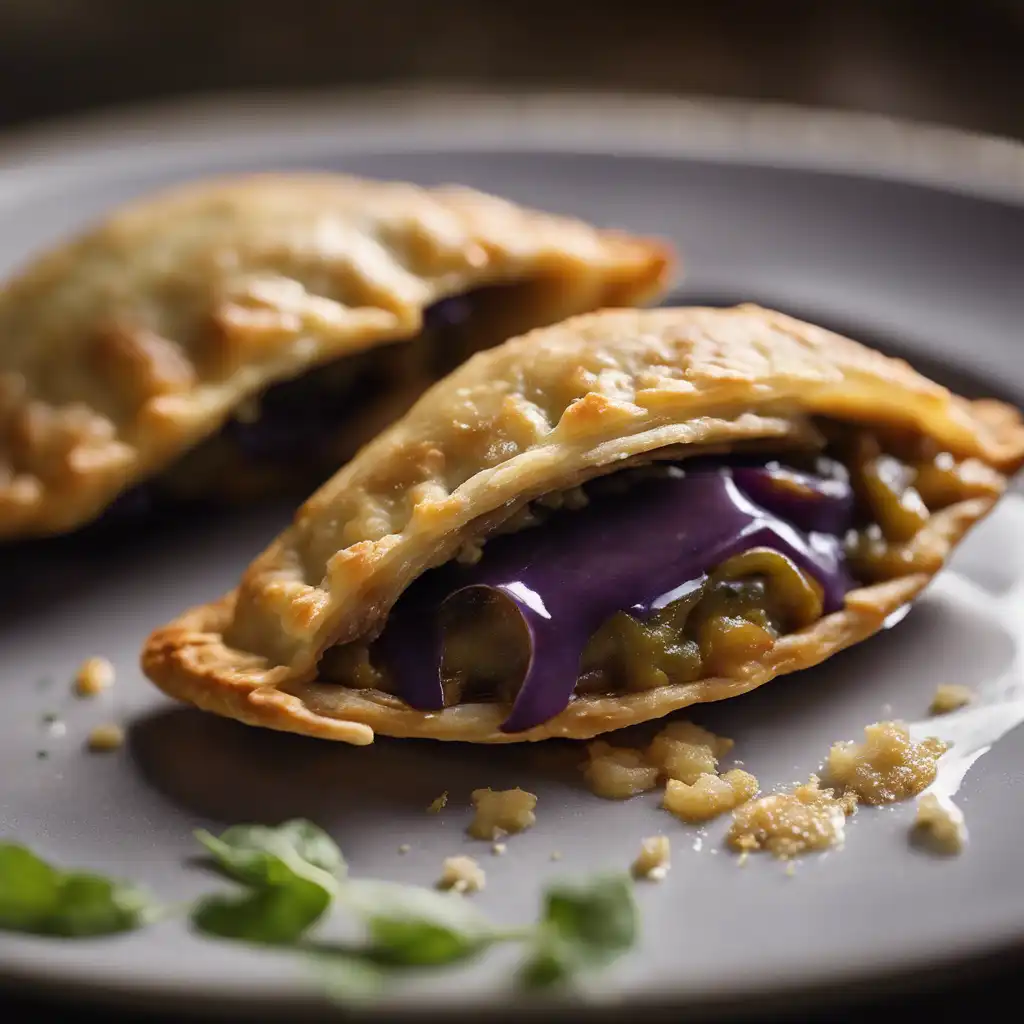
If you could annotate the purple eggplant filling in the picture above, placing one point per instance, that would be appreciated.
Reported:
(667, 574)
(644, 577)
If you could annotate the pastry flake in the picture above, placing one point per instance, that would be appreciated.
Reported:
(212, 338)
(749, 509)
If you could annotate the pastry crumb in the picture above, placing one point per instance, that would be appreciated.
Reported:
(791, 869)
(498, 849)
(710, 795)
(404, 848)
(93, 677)
(941, 824)
(888, 766)
(788, 824)
(438, 804)
(105, 738)
(618, 773)
(556, 854)
(684, 751)
(950, 697)
(653, 860)
(500, 812)
(741, 861)
(461, 874)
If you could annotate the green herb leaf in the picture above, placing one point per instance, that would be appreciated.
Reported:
(583, 926)
(408, 925)
(254, 854)
(272, 914)
(292, 871)
(42, 900)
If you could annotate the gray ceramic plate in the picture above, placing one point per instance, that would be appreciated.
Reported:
(909, 238)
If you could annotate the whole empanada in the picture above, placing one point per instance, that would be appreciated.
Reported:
(252, 323)
(597, 524)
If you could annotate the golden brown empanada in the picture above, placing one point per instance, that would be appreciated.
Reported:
(597, 524)
(243, 320)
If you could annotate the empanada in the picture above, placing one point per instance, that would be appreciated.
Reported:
(595, 525)
(252, 324)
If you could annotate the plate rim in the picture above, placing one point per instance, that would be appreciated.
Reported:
(171, 133)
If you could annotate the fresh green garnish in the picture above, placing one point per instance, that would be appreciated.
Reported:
(274, 915)
(40, 899)
(408, 925)
(262, 855)
(584, 926)
(292, 874)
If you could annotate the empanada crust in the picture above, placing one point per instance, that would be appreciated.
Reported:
(540, 413)
(127, 347)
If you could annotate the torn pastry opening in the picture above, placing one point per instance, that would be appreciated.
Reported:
(298, 431)
(665, 573)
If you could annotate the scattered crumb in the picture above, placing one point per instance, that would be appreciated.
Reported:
(710, 795)
(684, 751)
(105, 737)
(743, 858)
(950, 697)
(404, 848)
(462, 874)
(653, 861)
(941, 824)
(94, 676)
(791, 869)
(887, 766)
(439, 803)
(789, 824)
(617, 773)
(499, 812)
(556, 854)
(498, 849)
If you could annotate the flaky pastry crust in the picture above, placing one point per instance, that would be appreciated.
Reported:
(538, 414)
(127, 347)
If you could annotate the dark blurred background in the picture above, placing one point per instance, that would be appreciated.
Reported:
(953, 62)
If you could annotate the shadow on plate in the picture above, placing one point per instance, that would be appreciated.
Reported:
(231, 772)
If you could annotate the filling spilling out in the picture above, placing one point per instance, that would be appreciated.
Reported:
(663, 574)
(299, 431)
